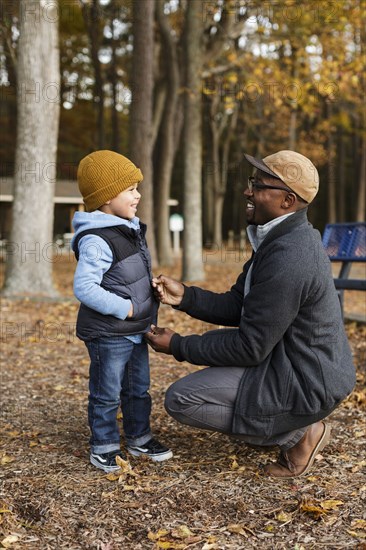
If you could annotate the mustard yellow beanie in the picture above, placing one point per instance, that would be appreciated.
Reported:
(102, 175)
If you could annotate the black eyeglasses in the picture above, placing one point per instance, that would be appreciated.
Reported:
(254, 184)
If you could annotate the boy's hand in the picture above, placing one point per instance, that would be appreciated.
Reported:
(159, 339)
(167, 290)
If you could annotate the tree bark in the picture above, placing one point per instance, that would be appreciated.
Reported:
(361, 197)
(141, 109)
(93, 24)
(332, 211)
(30, 250)
(114, 82)
(166, 145)
(342, 177)
(192, 245)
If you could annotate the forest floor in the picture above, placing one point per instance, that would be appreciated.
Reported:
(210, 496)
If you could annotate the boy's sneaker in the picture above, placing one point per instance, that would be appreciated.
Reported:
(106, 461)
(153, 449)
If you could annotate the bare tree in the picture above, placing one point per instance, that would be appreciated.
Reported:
(29, 268)
(192, 246)
(166, 145)
(142, 82)
(361, 196)
(94, 26)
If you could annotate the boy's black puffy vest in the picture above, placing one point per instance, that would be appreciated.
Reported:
(129, 277)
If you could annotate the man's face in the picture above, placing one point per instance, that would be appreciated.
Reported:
(263, 205)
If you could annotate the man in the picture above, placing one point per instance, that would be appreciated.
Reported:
(287, 364)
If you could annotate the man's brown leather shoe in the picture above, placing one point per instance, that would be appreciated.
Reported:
(298, 460)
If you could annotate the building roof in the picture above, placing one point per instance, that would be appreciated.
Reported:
(66, 192)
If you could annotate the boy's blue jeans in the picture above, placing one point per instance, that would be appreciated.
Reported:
(119, 375)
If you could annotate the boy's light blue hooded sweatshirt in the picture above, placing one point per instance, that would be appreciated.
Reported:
(95, 259)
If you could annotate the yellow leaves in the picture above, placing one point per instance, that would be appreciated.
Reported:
(182, 532)
(121, 474)
(168, 539)
(283, 517)
(358, 530)
(234, 465)
(331, 504)
(318, 509)
(9, 540)
(5, 459)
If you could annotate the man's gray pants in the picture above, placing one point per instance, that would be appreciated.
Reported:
(206, 399)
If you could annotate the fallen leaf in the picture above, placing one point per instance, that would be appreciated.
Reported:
(359, 523)
(310, 508)
(9, 540)
(357, 534)
(318, 509)
(182, 532)
(124, 465)
(240, 529)
(283, 517)
(5, 459)
(113, 476)
(170, 545)
(158, 535)
(330, 504)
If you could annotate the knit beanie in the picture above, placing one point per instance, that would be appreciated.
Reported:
(102, 175)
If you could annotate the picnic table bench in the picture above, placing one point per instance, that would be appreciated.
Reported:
(346, 243)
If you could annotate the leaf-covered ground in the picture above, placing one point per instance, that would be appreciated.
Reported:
(209, 496)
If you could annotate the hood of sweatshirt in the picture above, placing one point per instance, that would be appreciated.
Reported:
(83, 221)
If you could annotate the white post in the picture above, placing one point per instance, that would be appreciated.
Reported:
(176, 225)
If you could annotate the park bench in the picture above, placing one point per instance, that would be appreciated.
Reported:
(346, 243)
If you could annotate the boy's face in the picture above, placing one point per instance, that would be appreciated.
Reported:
(125, 204)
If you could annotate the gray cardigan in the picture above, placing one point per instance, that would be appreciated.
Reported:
(289, 336)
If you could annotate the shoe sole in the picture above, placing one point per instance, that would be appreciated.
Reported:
(154, 458)
(323, 441)
(107, 469)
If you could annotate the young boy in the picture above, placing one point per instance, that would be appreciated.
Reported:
(113, 283)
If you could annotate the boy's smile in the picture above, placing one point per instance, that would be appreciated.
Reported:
(123, 205)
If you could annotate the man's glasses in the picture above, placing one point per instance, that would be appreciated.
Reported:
(254, 184)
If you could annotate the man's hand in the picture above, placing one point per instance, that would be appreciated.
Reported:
(167, 290)
(159, 339)
(130, 313)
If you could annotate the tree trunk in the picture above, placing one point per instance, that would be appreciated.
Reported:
(223, 175)
(292, 130)
(361, 197)
(342, 178)
(114, 82)
(192, 249)
(332, 212)
(166, 149)
(29, 268)
(92, 21)
(141, 109)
